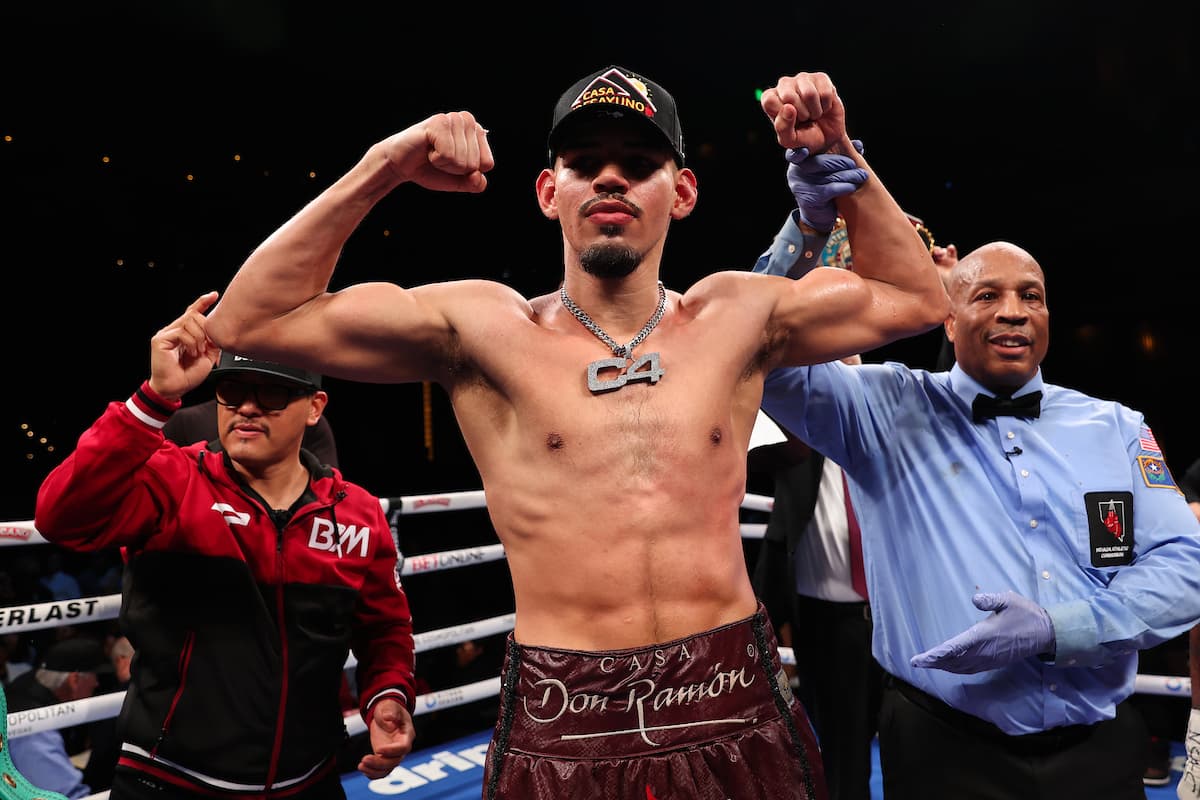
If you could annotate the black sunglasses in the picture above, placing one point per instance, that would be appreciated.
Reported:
(267, 396)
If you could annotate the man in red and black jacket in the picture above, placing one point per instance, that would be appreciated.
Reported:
(252, 572)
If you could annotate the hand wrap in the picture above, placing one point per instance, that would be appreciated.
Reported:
(1188, 787)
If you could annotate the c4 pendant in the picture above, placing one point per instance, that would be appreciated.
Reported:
(643, 368)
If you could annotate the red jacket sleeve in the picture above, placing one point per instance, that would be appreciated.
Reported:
(103, 494)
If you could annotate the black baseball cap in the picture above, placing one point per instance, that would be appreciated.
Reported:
(77, 654)
(618, 91)
(230, 363)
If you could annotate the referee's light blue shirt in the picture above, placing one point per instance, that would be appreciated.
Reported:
(950, 507)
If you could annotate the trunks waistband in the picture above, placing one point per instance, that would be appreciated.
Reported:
(610, 704)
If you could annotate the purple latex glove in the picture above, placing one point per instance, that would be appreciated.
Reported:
(816, 180)
(1020, 628)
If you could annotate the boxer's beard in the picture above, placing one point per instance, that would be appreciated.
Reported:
(609, 260)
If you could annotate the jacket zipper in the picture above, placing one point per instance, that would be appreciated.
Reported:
(277, 745)
(185, 657)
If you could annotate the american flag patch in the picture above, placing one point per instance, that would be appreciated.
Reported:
(1148, 442)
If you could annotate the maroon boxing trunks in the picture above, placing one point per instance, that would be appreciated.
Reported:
(706, 717)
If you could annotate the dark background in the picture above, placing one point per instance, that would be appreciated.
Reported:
(148, 148)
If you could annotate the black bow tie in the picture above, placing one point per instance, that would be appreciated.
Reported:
(1027, 405)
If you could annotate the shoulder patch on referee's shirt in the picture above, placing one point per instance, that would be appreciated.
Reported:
(1110, 522)
(1155, 473)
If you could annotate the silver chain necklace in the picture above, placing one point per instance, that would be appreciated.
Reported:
(643, 368)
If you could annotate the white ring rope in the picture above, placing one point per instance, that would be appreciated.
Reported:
(424, 503)
(35, 617)
(15, 619)
(89, 709)
(24, 532)
(20, 532)
(64, 715)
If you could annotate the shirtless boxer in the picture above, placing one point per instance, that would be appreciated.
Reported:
(609, 421)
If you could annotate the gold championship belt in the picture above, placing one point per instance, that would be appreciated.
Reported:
(837, 248)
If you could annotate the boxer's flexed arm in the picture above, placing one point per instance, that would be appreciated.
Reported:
(277, 306)
(895, 290)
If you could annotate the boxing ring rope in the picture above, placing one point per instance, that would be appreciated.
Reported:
(24, 532)
(37, 616)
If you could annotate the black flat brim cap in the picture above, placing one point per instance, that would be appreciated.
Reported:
(230, 364)
(618, 90)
